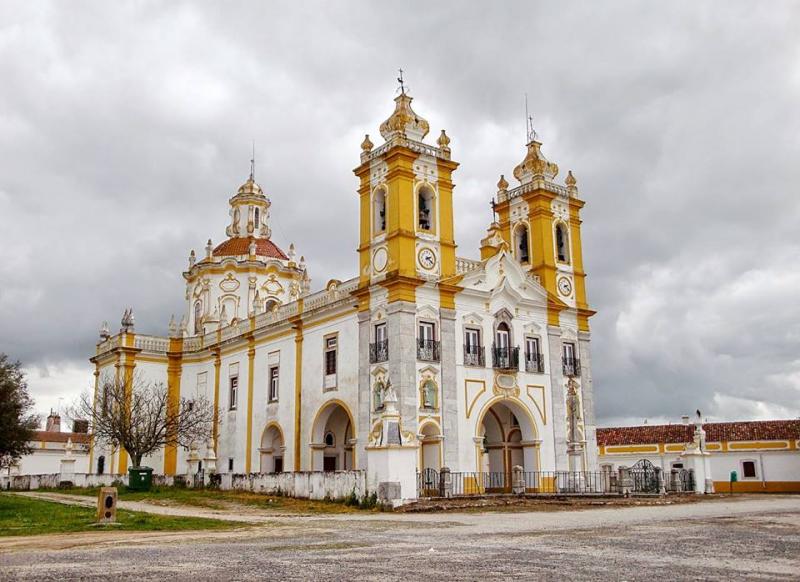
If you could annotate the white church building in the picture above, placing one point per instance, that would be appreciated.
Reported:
(486, 360)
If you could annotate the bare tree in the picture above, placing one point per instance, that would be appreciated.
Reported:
(139, 417)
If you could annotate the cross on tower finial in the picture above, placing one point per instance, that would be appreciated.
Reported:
(402, 84)
(530, 133)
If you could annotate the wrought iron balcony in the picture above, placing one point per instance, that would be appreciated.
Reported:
(379, 351)
(474, 356)
(534, 363)
(505, 358)
(428, 350)
(572, 367)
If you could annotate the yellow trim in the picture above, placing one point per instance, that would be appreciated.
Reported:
(756, 486)
(467, 403)
(251, 357)
(174, 370)
(711, 446)
(215, 430)
(749, 446)
(543, 410)
(298, 384)
(675, 448)
(618, 450)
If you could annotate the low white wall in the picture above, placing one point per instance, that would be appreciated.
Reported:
(305, 485)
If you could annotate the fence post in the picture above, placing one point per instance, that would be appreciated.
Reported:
(517, 480)
(662, 490)
(625, 481)
(676, 483)
(445, 482)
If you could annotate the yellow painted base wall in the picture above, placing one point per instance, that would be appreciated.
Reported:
(758, 487)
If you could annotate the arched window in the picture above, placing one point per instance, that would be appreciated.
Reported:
(198, 316)
(379, 204)
(101, 464)
(330, 440)
(521, 244)
(257, 214)
(425, 202)
(502, 336)
(271, 305)
(562, 243)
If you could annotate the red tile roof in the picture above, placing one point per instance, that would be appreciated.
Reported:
(60, 437)
(754, 430)
(241, 246)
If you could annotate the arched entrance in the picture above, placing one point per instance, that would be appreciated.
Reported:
(331, 436)
(431, 447)
(509, 439)
(272, 449)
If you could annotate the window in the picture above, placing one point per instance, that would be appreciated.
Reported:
(273, 384)
(379, 220)
(749, 470)
(534, 362)
(502, 336)
(233, 385)
(379, 351)
(270, 305)
(202, 383)
(230, 465)
(521, 240)
(426, 331)
(427, 346)
(330, 440)
(380, 333)
(473, 351)
(198, 317)
(257, 217)
(278, 465)
(572, 366)
(330, 363)
(562, 245)
(425, 208)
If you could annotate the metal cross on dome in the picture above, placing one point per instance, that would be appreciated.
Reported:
(402, 83)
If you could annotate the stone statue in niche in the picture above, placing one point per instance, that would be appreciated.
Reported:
(378, 389)
(429, 394)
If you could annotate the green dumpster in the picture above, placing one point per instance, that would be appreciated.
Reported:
(140, 478)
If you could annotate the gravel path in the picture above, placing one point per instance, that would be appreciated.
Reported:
(750, 537)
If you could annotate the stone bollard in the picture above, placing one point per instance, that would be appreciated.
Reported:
(625, 481)
(676, 484)
(517, 480)
(445, 482)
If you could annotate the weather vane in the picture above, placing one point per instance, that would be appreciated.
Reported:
(530, 132)
(402, 84)
(253, 162)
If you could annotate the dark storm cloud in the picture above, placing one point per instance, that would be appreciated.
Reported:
(124, 128)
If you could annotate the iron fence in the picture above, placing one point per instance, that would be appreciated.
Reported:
(505, 358)
(431, 483)
(379, 351)
(474, 355)
(428, 350)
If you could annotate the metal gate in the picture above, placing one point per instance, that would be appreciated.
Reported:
(428, 483)
(645, 477)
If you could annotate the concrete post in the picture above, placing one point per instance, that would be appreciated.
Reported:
(445, 482)
(517, 480)
(625, 481)
(675, 483)
(662, 490)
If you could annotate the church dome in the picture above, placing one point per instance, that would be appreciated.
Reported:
(234, 247)
(403, 121)
(250, 188)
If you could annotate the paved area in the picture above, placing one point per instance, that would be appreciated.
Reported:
(745, 538)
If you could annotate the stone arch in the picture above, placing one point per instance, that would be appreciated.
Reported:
(272, 449)
(379, 207)
(430, 450)
(561, 240)
(426, 203)
(333, 416)
(522, 243)
(509, 436)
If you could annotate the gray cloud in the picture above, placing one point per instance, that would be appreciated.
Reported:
(125, 128)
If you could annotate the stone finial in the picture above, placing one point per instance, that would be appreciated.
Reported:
(173, 326)
(68, 447)
(209, 249)
(251, 248)
(127, 321)
(183, 326)
(302, 265)
(292, 253)
(367, 145)
(192, 259)
(571, 183)
(223, 316)
(257, 303)
(502, 184)
(105, 332)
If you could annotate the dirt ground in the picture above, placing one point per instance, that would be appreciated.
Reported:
(747, 537)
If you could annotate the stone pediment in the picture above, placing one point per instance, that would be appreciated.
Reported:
(502, 274)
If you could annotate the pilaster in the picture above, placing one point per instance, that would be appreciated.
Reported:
(557, 401)
(401, 318)
(449, 388)
(587, 399)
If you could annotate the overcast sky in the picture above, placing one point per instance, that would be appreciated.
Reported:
(125, 127)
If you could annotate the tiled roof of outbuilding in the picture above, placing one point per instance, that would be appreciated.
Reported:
(753, 430)
(50, 436)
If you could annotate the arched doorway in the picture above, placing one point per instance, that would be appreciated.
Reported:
(331, 436)
(272, 449)
(509, 439)
(431, 447)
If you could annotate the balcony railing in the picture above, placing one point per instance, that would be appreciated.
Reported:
(534, 363)
(428, 350)
(474, 356)
(572, 367)
(379, 351)
(505, 358)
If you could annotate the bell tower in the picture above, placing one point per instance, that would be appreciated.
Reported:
(540, 222)
(406, 206)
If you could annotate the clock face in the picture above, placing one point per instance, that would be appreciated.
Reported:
(427, 259)
(379, 260)
(564, 287)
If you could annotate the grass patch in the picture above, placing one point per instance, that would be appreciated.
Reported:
(23, 516)
(216, 499)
